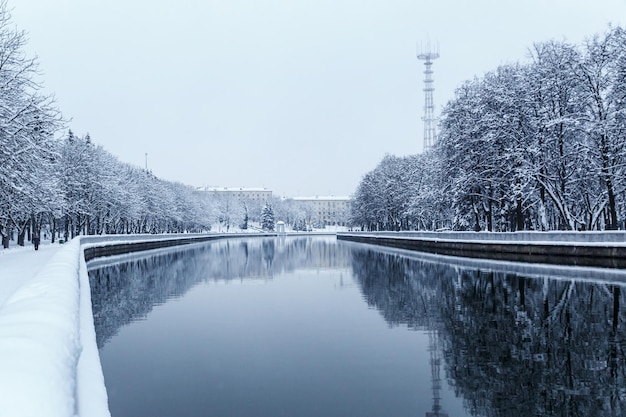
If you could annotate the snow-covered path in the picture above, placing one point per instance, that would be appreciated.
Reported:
(18, 265)
(49, 363)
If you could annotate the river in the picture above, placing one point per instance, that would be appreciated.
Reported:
(309, 326)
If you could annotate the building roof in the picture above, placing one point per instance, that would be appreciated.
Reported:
(322, 198)
(234, 189)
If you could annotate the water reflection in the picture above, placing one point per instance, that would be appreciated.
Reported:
(294, 343)
(123, 292)
(510, 341)
(512, 345)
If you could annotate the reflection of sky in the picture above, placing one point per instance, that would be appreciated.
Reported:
(307, 325)
(303, 343)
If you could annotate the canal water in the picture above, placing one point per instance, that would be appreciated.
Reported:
(311, 326)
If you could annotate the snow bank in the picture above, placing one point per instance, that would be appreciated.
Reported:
(91, 391)
(40, 341)
(49, 360)
(49, 363)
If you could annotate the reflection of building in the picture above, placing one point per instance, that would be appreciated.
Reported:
(327, 211)
(257, 195)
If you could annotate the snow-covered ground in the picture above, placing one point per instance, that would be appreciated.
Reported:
(21, 264)
(49, 363)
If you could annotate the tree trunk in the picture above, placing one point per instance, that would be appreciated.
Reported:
(477, 227)
(490, 216)
(612, 225)
(21, 236)
(519, 215)
(67, 227)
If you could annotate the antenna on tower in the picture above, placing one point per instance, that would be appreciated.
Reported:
(428, 54)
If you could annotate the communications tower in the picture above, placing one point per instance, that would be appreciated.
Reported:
(428, 54)
(435, 370)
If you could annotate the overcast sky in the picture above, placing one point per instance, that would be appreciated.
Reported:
(301, 97)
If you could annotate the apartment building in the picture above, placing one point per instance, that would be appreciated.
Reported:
(326, 210)
(254, 195)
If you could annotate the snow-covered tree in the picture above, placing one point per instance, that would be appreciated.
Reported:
(557, 152)
(538, 145)
(246, 219)
(381, 201)
(601, 75)
(299, 224)
(229, 210)
(28, 122)
(267, 217)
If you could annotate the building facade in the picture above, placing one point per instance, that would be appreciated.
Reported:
(258, 196)
(326, 211)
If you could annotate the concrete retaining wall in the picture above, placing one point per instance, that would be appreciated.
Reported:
(91, 396)
(99, 246)
(561, 248)
(96, 248)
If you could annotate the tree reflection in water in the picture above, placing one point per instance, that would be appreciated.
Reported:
(512, 345)
(125, 289)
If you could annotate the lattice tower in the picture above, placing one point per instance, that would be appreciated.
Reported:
(427, 55)
(435, 371)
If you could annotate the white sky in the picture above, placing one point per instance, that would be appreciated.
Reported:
(302, 97)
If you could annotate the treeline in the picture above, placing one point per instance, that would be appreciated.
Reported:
(55, 183)
(74, 187)
(532, 146)
(70, 186)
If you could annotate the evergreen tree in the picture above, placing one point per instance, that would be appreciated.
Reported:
(267, 218)
(244, 224)
(300, 224)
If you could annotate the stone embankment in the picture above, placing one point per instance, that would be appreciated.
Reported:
(99, 246)
(598, 249)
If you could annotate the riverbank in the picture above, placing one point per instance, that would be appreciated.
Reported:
(49, 360)
(596, 249)
(48, 355)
